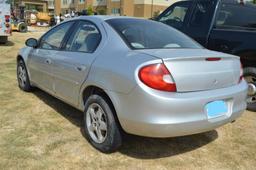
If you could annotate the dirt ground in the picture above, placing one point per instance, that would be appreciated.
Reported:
(38, 131)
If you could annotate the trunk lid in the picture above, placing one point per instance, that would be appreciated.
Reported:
(192, 72)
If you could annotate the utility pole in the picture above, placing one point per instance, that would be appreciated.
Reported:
(120, 8)
(152, 5)
(108, 7)
(54, 10)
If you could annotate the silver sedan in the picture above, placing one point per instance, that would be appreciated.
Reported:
(135, 76)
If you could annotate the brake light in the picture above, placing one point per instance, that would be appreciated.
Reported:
(213, 59)
(241, 73)
(157, 77)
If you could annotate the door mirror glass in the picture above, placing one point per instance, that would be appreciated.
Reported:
(31, 42)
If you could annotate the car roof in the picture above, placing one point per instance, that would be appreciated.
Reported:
(105, 17)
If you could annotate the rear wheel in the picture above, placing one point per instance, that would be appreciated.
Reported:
(250, 77)
(101, 128)
(22, 76)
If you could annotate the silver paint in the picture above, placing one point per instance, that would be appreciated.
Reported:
(114, 67)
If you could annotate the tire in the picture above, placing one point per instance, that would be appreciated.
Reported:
(22, 77)
(98, 109)
(3, 39)
(22, 27)
(250, 77)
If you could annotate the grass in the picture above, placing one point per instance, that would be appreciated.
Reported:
(38, 131)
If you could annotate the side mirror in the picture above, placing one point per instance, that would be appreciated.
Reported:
(31, 42)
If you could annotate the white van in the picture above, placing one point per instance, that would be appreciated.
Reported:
(5, 20)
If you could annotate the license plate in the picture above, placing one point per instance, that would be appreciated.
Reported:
(216, 109)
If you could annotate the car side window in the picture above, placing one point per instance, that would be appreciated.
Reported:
(52, 40)
(85, 39)
(236, 15)
(176, 15)
(202, 13)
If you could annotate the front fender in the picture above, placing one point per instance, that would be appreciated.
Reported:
(24, 54)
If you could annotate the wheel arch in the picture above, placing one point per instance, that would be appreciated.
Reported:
(19, 57)
(92, 89)
(247, 57)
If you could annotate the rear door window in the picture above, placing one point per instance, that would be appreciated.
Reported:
(202, 13)
(233, 14)
(85, 39)
(200, 21)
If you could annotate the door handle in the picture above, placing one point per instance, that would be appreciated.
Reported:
(48, 61)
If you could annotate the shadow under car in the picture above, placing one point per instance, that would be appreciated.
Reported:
(135, 146)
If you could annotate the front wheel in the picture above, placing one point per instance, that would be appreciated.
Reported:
(22, 76)
(101, 127)
(250, 77)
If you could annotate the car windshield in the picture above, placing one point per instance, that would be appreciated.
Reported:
(147, 34)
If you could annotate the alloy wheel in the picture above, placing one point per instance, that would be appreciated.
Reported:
(22, 75)
(96, 122)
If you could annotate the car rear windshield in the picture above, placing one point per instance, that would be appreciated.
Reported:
(147, 34)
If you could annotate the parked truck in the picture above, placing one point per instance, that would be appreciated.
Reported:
(5, 20)
(222, 25)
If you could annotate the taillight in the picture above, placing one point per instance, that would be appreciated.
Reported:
(7, 18)
(157, 77)
(241, 73)
(7, 21)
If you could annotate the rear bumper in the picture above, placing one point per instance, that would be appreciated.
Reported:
(159, 114)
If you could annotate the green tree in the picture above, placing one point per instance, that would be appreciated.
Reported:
(89, 10)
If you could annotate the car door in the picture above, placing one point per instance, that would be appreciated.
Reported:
(176, 15)
(40, 60)
(72, 64)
